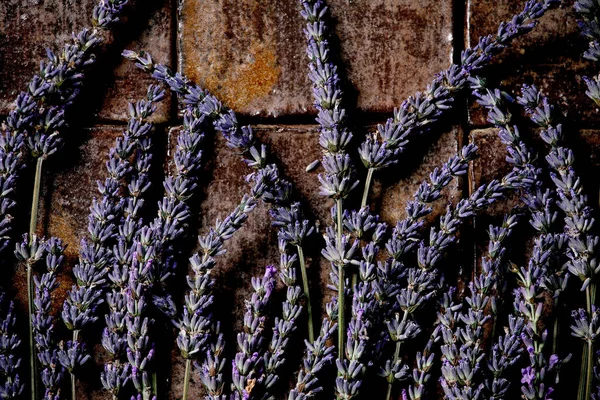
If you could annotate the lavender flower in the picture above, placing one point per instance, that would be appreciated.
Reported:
(248, 365)
(43, 323)
(578, 221)
(11, 386)
(277, 191)
(417, 113)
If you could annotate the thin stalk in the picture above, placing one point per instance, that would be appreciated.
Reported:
(155, 384)
(590, 369)
(32, 362)
(36, 196)
(365, 196)
(73, 379)
(396, 356)
(556, 329)
(341, 289)
(585, 376)
(186, 379)
(311, 329)
(581, 392)
(32, 228)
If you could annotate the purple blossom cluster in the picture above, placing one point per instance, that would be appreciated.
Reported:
(392, 279)
(51, 359)
(11, 386)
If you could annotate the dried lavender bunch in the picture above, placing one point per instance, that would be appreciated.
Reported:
(423, 279)
(134, 148)
(196, 100)
(416, 114)
(536, 381)
(463, 331)
(573, 201)
(196, 320)
(107, 221)
(10, 383)
(378, 284)
(578, 220)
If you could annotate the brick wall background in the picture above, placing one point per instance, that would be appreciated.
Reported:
(251, 54)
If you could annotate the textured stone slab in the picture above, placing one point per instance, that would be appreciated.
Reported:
(563, 84)
(252, 54)
(557, 32)
(28, 27)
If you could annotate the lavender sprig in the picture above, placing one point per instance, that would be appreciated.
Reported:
(339, 178)
(196, 320)
(462, 332)
(283, 327)
(39, 112)
(578, 221)
(536, 382)
(11, 386)
(43, 323)
(416, 114)
(200, 102)
(30, 251)
(248, 364)
(134, 155)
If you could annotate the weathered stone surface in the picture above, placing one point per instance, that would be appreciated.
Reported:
(556, 33)
(27, 28)
(398, 184)
(252, 54)
(550, 57)
(563, 84)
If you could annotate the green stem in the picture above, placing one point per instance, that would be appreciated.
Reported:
(36, 197)
(32, 362)
(556, 328)
(186, 379)
(155, 384)
(32, 228)
(311, 329)
(73, 379)
(341, 289)
(396, 356)
(581, 393)
(365, 196)
(590, 370)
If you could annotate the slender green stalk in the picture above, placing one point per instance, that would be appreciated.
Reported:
(556, 328)
(311, 329)
(186, 379)
(365, 196)
(581, 392)
(32, 228)
(155, 384)
(73, 379)
(396, 356)
(36, 196)
(590, 370)
(341, 289)
(585, 376)
(32, 363)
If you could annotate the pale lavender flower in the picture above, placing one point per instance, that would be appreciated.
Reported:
(11, 386)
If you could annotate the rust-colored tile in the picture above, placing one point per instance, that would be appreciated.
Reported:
(252, 54)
